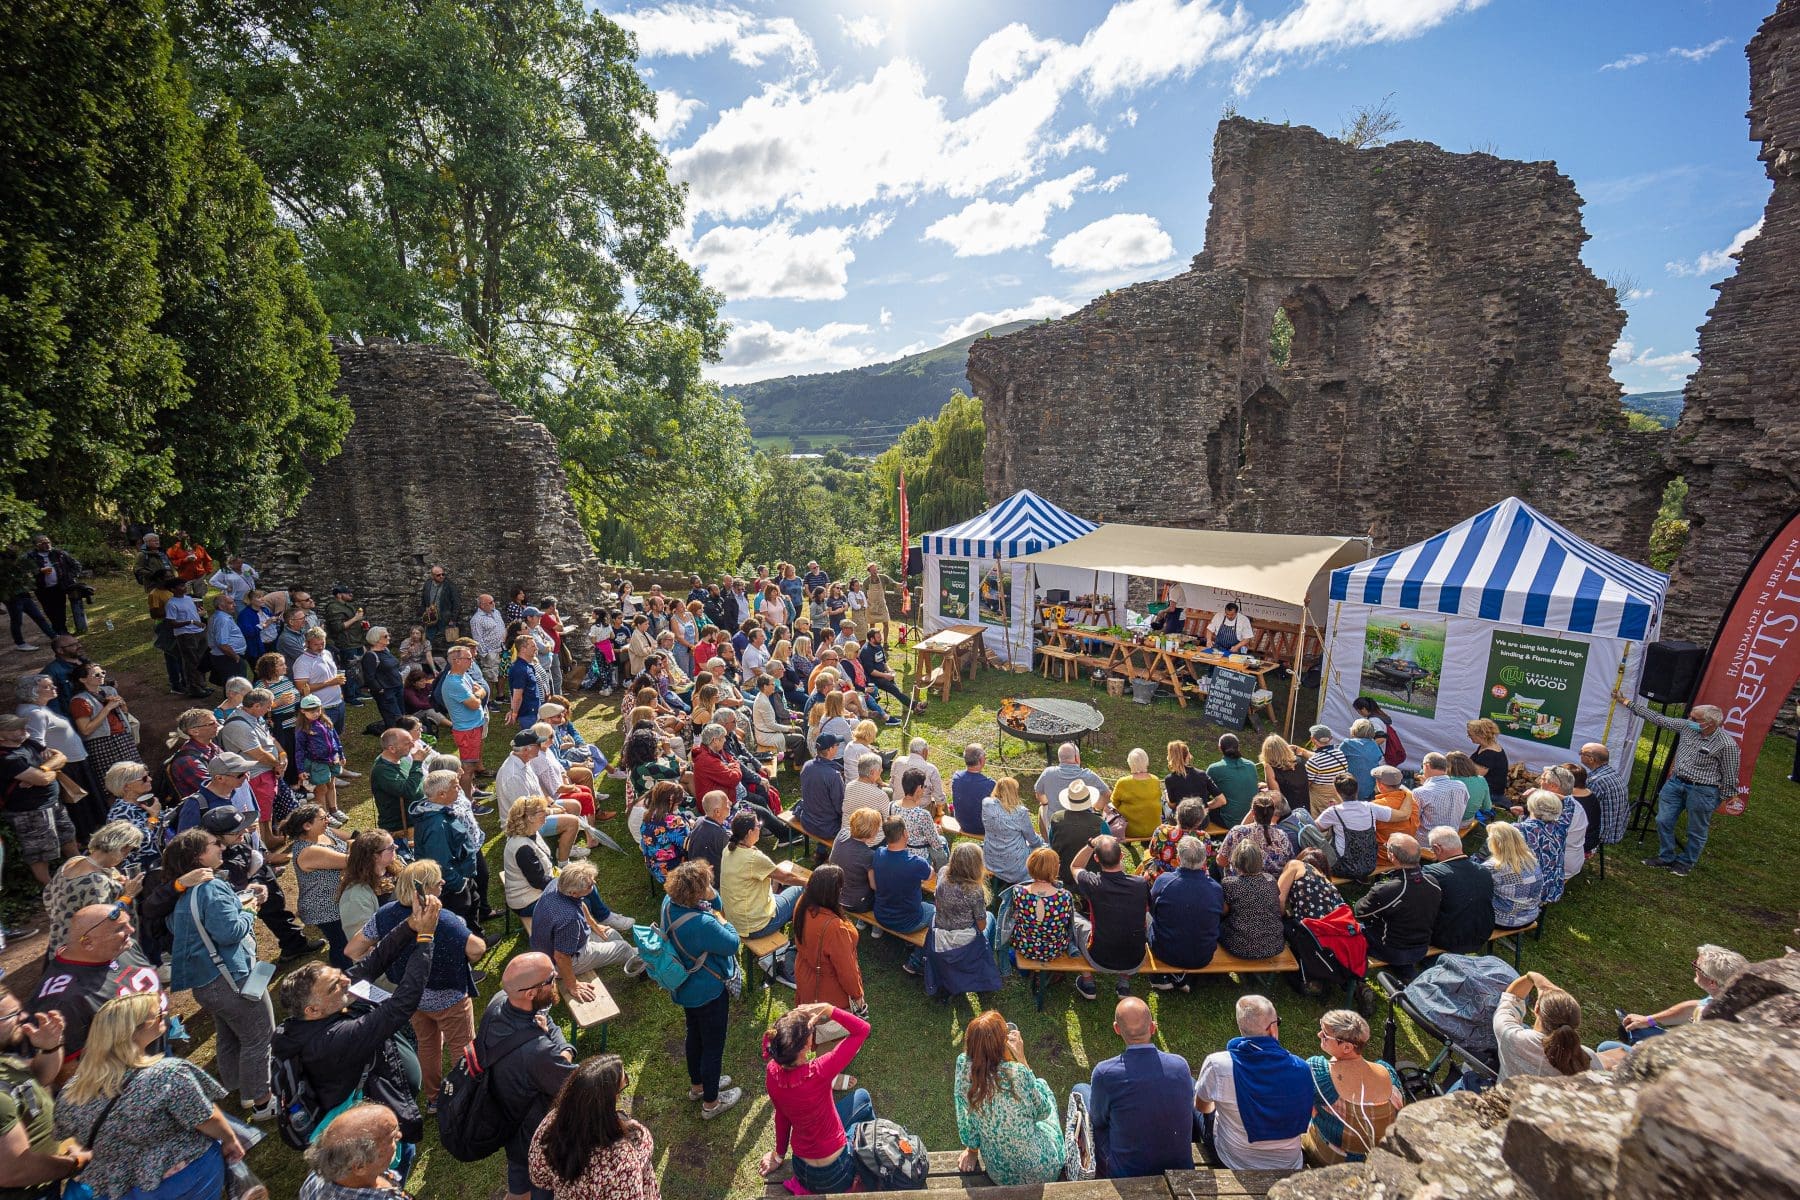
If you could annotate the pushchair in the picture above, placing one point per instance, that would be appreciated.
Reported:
(1451, 1003)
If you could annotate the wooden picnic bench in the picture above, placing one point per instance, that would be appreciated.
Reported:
(584, 1015)
(1223, 963)
(946, 1182)
(1515, 936)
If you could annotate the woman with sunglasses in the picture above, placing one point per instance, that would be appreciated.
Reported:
(128, 783)
(93, 878)
(31, 1056)
(1354, 1100)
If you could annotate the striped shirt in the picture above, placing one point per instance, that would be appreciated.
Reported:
(1706, 761)
(1326, 763)
(1613, 793)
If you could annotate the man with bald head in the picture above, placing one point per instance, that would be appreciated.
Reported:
(1612, 794)
(1399, 913)
(98, 963)
(1141, 1104)
(527, 1078)
(350, 1159)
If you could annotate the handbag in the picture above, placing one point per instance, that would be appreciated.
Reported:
(256, 984)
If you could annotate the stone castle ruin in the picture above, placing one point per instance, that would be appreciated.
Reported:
(1449, 349)
(436, 469)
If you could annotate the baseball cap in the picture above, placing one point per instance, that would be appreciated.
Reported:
(531, 611)
(311, 702)
(227, 763)
(341, 587)
(224, 819)
(525, 738)
(828, 740)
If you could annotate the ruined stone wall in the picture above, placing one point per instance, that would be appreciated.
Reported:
(1450, 349)
(1738, 442)
(436, 469)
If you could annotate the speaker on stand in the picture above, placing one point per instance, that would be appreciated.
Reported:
(1671, 673)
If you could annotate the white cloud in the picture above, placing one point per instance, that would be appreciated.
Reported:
(1627, 62)
(1714, 261)
(1036, 309)
(758, 350)
(1697, 53)
(1673, 365)
(673, 112)
(1129, 117)
(1622, 351)
(868, 30)
(1142, 42)
(886, 318)
(773, 262)
(1319, 26)
(1002, 57)
(990, 227)
(1121, 240)
(1113, 183)
(1640, 293)
(692, 30)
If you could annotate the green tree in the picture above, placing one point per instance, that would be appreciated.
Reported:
(481, 174)
(789, 517)
(942, 457)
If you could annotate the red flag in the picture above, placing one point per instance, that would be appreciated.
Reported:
(1755, 657)
(905, 523)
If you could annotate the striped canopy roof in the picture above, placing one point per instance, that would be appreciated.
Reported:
(1023, 523)
(1514, 565)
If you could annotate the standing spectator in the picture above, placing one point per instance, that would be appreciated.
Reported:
(56, 579)
(440, 605)
(246, 733)
(1185, 908)
(1116, 906)
(320, 857)
(397, 781)
(237, 577)
(34, 808)
(1465, 915)
(1518, 883)
(707, 948)
(1326, 762)
(152, 1123)
(488, 628)
(290, 637)
(188, 634)
(225, 641)
(319, 753)
(257, 621)
(381, 675)
(1355, 1101)
(340, 1053)
(1252, 927)
(53, 730)
(217, 972)
(367, 879)
(350, 1159)
(151, 561)
(1009, 832)
(898, 875)
(192, 562)
(103, 719)
(18, 584)
(1400, 911)
(1005, 1115)
(524, 682)
(465, 698)
(317, 673)
(344, 627)
(135, 802)
(1256, 1097)
(969, 788)
(92, 878)
(528, 1060)
(1236, 779)
(1056, 780)
(585, 1148)
(800, 1086)
(94, 964)
(194, 742)
(557, 654)
(1141, 1103)
(248, 872)
(31, 1058)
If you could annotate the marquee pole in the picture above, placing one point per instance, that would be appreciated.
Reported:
(1294, 680)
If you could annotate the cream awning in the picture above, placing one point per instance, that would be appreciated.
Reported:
(1286, 568)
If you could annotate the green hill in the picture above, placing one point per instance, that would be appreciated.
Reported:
(863, 409)
(1662, 407)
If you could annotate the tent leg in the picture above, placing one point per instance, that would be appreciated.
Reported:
(1294, 681)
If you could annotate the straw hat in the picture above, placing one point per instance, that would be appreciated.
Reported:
(1077, 797)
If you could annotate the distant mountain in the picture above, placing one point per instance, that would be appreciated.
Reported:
(863, 409)
(1662, 407)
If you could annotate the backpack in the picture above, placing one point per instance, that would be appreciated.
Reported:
(299, 1115)
(663, 960)
(888, 1158)
(472, 1122)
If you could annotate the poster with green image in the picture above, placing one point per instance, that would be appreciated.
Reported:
(1533, 686)
(953, 589)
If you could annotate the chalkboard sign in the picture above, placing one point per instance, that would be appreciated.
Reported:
(1228, 703)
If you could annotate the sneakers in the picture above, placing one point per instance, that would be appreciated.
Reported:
(347, 773)
(1169, 983)
(579, 851)
(1122, 988)
(910, 966)
(635, 967)
(337, 818)
(431, 1107)
(727, 1098)
(895, 721)
(483, 810)
(1659, 862)
(24, 647)
(1680, 870)
(616, 773)
(265, 1111)
(1085, 988)
(482, 793)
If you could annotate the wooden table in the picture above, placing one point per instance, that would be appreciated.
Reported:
(1147, 660)
(938, 659)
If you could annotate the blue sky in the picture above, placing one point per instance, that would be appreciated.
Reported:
(873, 177)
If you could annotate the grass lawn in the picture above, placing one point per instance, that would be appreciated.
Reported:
(1623, 942)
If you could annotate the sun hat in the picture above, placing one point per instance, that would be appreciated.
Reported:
(1077, 797)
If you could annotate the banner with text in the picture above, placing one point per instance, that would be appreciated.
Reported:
(1755, 657)
(1533, 687)
(953, 589)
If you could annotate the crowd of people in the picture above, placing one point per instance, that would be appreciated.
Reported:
(156, 876)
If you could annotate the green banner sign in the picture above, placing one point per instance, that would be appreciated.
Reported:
(953, 589)
(1534, 686)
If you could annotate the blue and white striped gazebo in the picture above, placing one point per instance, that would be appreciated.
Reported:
(1513, 565)
(1023, 523)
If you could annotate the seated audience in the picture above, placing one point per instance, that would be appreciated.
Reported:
(852, 853)
(1400, 910)
(744, 884)
(960, 899)
(969, 788)
(1465, 916)
(1551, 1044)
(1305, 887)
(1055, 780)
(1162, 854)
(1441, 797)
(1574, 818)
(898, 875)
(1252, 926)
(585, 1147)
(707, 836)
(1402, 808)
(576, 940)
(1256, 1098)
(821, 807)
(707, 948)
(1005, 1115)
(1073, 825)
(1259, 827)
(1046, 921)
(1346, 833)
(1518, 881)
(1116, 906)
(526, 865)
(1363, 752)
(1324, 764)
(1236, 778)
(922, 835)
(1141, 1103)
(1354, 1100)
(825, 966)
(349, 1161)
(1011, 834)
(807, 1120)
(664, 832)
(1546, 834)
(1714, 968)
(1186, 906)
(1462, 769)
(1139, 796)
(1185, 781)
(1284, 771)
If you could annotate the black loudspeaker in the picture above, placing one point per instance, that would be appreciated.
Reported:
(915, 560)
(1671, 672)
(1056, 596)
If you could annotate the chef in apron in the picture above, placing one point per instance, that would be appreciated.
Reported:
(1229, 630)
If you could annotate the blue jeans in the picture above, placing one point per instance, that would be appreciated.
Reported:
(1700, 801)
(928, 912)
(202, 1179)
(786, 901)
(853, 1109)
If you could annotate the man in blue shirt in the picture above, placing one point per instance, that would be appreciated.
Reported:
(579, 934)
(225, 640)
(522, 678)
(898, 876)
(822, 790)
(814, 578)
(968, 788)
(1185, 906)
(466, 700)
(1141, 1104)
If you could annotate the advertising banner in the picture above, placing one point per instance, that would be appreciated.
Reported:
(1755, 657)
(953, 589)
(1403, 661)
(1533, 687)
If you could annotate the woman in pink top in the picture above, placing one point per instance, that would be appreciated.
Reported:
(800, 1088)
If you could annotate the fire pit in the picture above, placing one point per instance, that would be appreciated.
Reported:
(1400, 671)
(1048, 722)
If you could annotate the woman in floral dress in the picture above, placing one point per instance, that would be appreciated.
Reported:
(1005, 1115)
(664, 832)
(1546, 833)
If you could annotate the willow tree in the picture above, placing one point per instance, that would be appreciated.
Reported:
(941, 456)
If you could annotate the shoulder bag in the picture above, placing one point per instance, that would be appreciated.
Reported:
(256, 984)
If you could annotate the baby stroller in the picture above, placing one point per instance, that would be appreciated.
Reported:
(1451, 1003)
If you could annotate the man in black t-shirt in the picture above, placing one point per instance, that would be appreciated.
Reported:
(97, 964)
(874, 661)
(1117, 905)
(30, 798)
